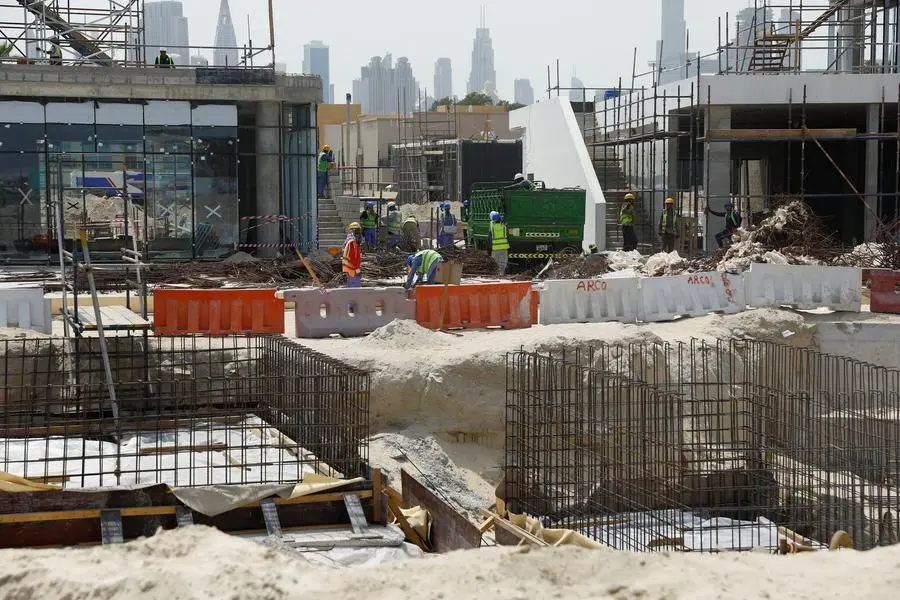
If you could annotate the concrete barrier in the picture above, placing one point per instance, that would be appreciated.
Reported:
(590, 301)
(691, 294)
(804, 286)
(24, 306)
(348, 311)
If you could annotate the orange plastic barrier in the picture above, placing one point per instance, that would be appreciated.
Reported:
(217, 312)
(476, 306)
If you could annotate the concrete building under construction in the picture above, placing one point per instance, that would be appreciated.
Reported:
(184, 159)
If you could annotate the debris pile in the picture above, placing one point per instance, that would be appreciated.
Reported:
(475, 262)
(578, 267)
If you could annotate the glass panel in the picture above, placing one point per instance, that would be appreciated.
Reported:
(21, 137)
(79, 113)
(23, 218)
(70, 138)
(119, 114)
(164, 113)
(214, 115)
(170, 205)
(299, 175)
(215, 191)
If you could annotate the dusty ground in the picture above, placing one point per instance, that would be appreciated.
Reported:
(190, 563)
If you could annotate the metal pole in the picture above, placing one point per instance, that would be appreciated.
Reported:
(272, 33)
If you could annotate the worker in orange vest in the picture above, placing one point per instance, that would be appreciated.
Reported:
(351, 260)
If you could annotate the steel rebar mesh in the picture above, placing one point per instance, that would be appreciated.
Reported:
(704, 446)
(192, 411)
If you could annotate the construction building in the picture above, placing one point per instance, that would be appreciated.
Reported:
(804, 103)
(185, 159)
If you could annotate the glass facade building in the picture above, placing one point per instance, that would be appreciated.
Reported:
(164, 174)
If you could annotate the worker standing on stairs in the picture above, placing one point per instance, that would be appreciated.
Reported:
(324, 163)
(55, 52)
(351, 260)
(422, 267)
(394, 225)
(626, 222)
(446, 227)
(668, 225)
(499, 242)
(369, 222)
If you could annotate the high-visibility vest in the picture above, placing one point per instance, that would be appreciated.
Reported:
(626, 218)
(448, 223)
(55, 51)
(731, 221)
(664, 223)
(498, 237)
(325, 160)
(164, 60)
(350, 261)
(428, 258)
(395, 222)
(368, 221)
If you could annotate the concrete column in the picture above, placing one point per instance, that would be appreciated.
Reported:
(718, 171)
(873, 124)
(268, 173)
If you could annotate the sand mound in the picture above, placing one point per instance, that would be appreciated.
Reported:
(406, 332)
(202, 563)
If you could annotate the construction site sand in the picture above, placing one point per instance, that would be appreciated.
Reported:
(198, 562)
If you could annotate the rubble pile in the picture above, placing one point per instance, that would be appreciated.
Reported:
(475, 262)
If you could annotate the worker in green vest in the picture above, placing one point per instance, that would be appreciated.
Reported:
(668, 225)
(369, 222)
(55, 52)
(626, 222)
(423, 266)
(499, 242)
(394, 225)
(325, 162)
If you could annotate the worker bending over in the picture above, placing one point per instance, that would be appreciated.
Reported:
(733, 221)
(410, 240)
(368, 220)
(351, 260)
(423, 266)
(446, 226)
(668, 225)
(164, 61)
(325, 162)
(520, 183)
(499, 242)
(626, 222)
(394, 225)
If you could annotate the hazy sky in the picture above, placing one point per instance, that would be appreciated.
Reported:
(594, 37)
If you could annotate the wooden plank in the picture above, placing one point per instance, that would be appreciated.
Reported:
(768, 135)
(407, 529)
(377, 484)
(449, 530)
(510, 528)
(214, 447)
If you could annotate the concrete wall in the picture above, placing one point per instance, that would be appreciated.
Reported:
(147, 84)
(877, 343)
(555, 152)
(331, 114)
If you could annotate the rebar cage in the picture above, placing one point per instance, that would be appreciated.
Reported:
(191, 411)
(704, 447)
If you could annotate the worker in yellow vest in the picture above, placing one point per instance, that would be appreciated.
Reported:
(499, 237)
(626, 222)
(668, 225)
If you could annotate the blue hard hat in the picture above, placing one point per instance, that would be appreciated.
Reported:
(445, 206)
(465, 203)
(495, 216)
(370, 204)
(409, 260)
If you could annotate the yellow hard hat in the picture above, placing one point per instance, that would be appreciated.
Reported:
(326, 148)
(629, 196)
(670, 200)
(354, 225)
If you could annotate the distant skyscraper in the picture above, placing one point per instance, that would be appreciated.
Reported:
(165, 26)
(670, 49)
(482, 60)
(443, 79)
(524, 93)
(382, 84)
(316, 62)
(226, 45)
(577, 93)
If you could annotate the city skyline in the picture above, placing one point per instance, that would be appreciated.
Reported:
(385, 86)
(165, 26)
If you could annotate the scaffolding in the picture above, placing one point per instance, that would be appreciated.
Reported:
(705, 447)
(425, 157)
(659, 141)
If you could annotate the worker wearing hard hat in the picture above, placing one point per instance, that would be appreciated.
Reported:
(394, 225)
(668, 225)
(164, 61)
(499, 242)
(323, 164)
(410, 240)
(520, 183)
(351, 259)
(446, 226)
(464, 220)
(55, 52)
(369, 222)
(733, 220)
(626, 222)
(423, 266)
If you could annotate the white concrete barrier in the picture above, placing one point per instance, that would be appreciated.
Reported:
(24, 306)
(804, 286)
(691, 294)
(590, 301)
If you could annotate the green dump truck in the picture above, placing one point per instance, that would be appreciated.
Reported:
(542, 223)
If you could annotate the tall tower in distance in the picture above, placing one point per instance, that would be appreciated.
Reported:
(670, 49)
(165, 26)
(226, 46)
(524, 93)
(316, 61)
(443, 79)
(482, 59)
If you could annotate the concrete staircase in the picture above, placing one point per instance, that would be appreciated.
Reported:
(331, 229)
(615, 185)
